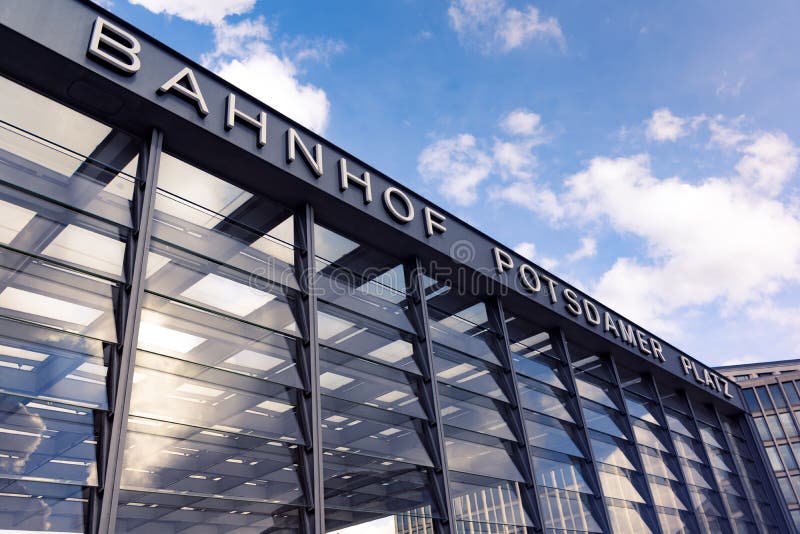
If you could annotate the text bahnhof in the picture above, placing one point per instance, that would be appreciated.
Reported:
(117, 48)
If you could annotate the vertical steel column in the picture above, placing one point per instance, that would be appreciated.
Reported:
(560, 346)
(432, 430)
(707, 460)
(120, 359)
(735, 464)
(521, 453)
(640, 463)
(681, 474)
(309, 403)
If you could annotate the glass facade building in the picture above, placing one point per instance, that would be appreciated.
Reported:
(771, 392)
(197, 339)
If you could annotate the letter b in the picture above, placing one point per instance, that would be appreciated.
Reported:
(113, 45)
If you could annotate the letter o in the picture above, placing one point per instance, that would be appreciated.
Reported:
(525, 274)
(393, 192)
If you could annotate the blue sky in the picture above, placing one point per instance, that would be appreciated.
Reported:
(647, 152)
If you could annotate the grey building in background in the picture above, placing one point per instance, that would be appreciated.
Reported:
(213, 321)
(771, 392)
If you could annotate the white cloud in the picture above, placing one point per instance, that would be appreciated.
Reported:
(457, 165)
(717, 240)
(531, 196)
(587, 249)
(243, 56)
(769, 161)
(726, 133)
(200, 11)
(527, 250)
(522, 122)
(514, 160)
(494, 26)
(664, 126)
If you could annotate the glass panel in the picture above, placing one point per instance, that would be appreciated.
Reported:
(472, 412)
(564, 473)
(641, 408)
(467, 373)
(544, 399)
(763, 430)
(775, 426)
(658, 463)
(697, 474)
(372, 484)
(650, 436)
(356, 429)
(626, 517)
(666, 494)
(142, 512)
(45, 441)
(213, 340)
(35, 506)
(567, 511)
(359, 336)
(777, 396)
(617, 484)
(791, 393)
(603, 420)
(707, 502)
(608, 452)
(595, 391)
(369, 383)
(488, 501)
(788, 424)
(487, 457)
(463, 330)
(44, 293)
(763, 396)
(38, 361)
(750, 399)
(552, 434)
(167, 389)
(186, 460)
(788, 457)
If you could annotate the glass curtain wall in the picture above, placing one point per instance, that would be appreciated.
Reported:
(568, 495)
(486, 478)
(376, 460)
(213, 430)
(776, 412)
(65, 200)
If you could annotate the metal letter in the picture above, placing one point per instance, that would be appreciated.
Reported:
(610, 326)
(391, 192)
(627, 332)
(260, 124)
(525, 273)
(642, 341)
(551, 285)
(123, 43)
(658, 352)
(293, 140)
(363, 180)
(592, 314)
(572, 305)
(431, 224)
(502, 260)
(687, 365)
(191, 93)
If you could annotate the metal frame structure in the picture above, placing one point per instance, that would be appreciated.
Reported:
(308, 201)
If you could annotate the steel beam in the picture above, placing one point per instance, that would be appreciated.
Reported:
(128, 308)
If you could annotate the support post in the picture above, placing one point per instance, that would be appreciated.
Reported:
(560, 347)
(432, 431)
(521, 453)
(120, 359)
(309, 400)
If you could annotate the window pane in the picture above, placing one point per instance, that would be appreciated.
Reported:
(486, 457)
